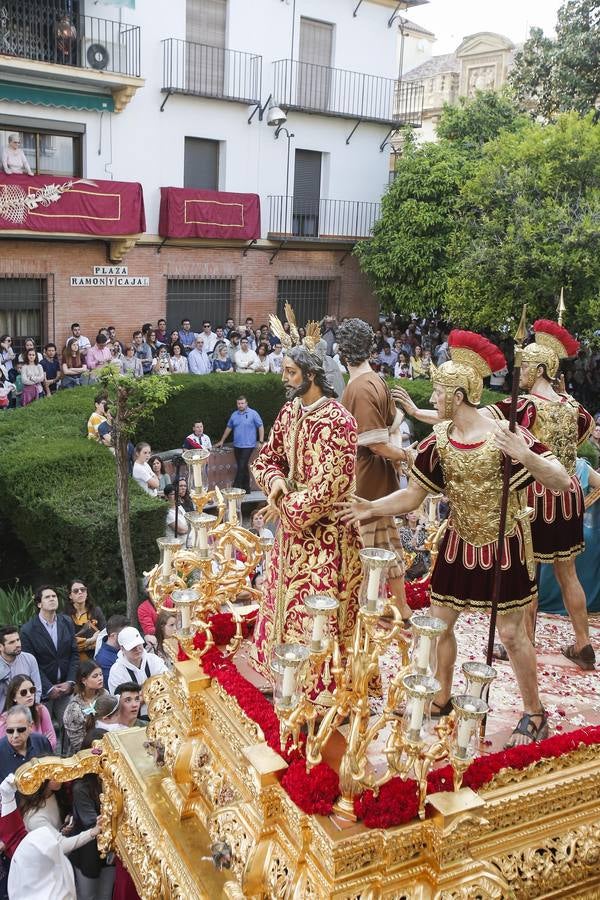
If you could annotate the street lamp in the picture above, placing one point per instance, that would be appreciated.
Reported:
(289, 136)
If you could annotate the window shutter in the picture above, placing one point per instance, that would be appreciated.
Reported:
(201, 164)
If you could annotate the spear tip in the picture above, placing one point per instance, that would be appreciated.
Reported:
(561, 309)
(521, 331)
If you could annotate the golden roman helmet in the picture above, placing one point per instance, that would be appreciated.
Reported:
(472, 358)
(292, 338)
(552, 343)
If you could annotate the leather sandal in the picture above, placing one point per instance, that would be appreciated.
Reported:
(527, 727)
(500, 652)
(440, 711)
(584, 658)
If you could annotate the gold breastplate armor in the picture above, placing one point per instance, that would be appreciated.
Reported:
(474, 487)
(556, 427)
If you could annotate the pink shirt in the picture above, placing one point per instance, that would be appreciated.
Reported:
(45, 727)
(97, 356)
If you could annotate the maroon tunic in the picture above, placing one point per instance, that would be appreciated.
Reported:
(471, 476)
(557, 522)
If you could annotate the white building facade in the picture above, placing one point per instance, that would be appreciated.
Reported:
(180, 95)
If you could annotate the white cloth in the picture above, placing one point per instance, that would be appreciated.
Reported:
(276, 362)
(142, 473)
(123, 670)
(39, 870)
(179, 365)
(48, 816)
(210, 340)
(182, 523)
(246, 362)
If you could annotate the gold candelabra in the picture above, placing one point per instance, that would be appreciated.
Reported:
(411, 747)
(207, 572)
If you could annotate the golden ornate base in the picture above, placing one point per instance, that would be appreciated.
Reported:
(537, 835)
(532, 834)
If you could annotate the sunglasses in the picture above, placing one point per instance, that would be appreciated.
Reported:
(20, 729)
(82, 590)
(25, 692)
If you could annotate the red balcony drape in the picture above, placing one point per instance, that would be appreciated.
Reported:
(52, 203)
(192, 213)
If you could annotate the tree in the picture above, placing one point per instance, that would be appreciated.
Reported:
(133, 400)
(407, 260)
(554, 76)
(471, 123)
(531, 226)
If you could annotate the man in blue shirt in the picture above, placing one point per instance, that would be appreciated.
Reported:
(244, 423)
(187, 337)
(19, 745)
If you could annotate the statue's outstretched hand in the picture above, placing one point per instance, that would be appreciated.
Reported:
(354, 510)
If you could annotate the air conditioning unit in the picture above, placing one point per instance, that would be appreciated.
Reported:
(97, 56)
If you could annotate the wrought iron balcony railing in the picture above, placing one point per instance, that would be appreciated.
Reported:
(206, 71)
(324, 220)
(351, 95)
(52, 32)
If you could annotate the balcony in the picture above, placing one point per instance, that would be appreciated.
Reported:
(350, 95)
(291, 218)
(51, 40)
(205, 71)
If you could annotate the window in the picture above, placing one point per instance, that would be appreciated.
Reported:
(197, 299)
(308, 296)
(21, 303)
(47, 152)
(307, 193)
(206, 26)
(201, 164)
(314, 63)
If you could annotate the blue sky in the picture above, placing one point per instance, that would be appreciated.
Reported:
(451, 20)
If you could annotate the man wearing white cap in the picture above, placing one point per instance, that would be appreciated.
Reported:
(133, 663)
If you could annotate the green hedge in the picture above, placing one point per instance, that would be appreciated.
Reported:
(58, 488)
(58, 492)
(211, 399)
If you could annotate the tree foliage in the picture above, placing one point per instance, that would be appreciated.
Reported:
(407, 260)
(471, 123)
(133, 400)
(554, 76)
(531, 225)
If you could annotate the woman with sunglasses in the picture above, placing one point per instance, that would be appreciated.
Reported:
(87, 618)
(80, 714)
(21, 690)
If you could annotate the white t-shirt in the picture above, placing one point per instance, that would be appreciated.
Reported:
(142, 473)
(182, 523)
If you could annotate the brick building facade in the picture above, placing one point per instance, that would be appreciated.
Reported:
(212, 282)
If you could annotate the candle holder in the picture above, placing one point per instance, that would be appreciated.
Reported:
(233, 497)
(469, 712)
(201, 525)
(288, 660)
(185, 603)
(373, 591)
(266, 544)
(426, 630)
(479, 676)
(197, 463)
(168, 548)
(321, 608)
(420, 691)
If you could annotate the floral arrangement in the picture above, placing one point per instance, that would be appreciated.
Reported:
(397, 801)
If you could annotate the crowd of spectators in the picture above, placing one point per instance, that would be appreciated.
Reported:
(68, 676)
(403, 348)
